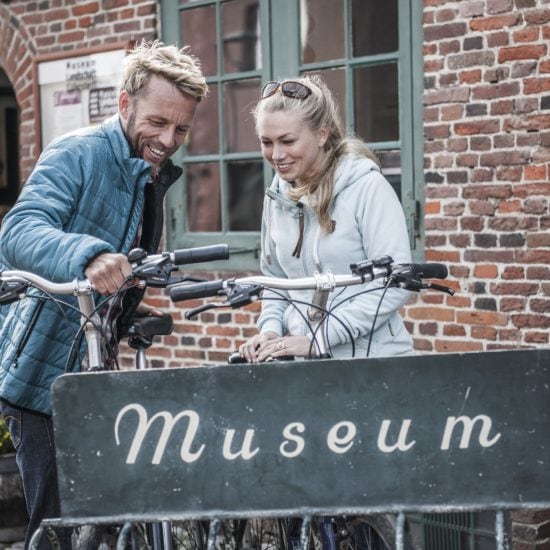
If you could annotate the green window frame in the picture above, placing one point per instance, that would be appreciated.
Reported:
(279, 47)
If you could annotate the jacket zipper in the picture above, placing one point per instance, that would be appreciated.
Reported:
(27, 334)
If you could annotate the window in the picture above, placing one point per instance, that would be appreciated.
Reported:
(366, 50)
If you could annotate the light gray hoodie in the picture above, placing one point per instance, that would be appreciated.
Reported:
(369, 223)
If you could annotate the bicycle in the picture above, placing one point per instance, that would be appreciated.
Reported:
(365, 532)
(148, 270)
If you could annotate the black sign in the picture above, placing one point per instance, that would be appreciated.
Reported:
(441, 431)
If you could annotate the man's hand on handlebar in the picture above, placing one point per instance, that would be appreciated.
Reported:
(108, 272)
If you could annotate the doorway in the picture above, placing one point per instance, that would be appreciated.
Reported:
(9, 145)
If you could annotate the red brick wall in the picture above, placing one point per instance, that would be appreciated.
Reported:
(33, 28)
(487, 152)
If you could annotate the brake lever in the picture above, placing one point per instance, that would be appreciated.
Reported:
(441, 288)
(11, 291)
(416, 285)
(175, 279)
(243, 295)
(200, 309)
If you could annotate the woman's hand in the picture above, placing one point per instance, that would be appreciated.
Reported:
(249, 350)
(299, 346)
(268, 344)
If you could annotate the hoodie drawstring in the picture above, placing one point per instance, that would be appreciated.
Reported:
(298, 247)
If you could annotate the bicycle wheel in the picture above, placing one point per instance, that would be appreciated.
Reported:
(371, 532)
(105, 537)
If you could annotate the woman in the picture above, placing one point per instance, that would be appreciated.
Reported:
(328, 206)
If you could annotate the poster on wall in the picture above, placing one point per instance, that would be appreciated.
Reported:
(78, 91)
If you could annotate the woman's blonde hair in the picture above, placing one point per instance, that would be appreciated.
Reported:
(316, 110)
(177, 66)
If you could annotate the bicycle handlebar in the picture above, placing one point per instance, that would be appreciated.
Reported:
(243, 290)
(426, 271)
(196, 290)
(201, 254)
(154, 270)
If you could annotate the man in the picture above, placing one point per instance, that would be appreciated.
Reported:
(93, 196)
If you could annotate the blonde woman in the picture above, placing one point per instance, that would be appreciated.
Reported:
(327, 207)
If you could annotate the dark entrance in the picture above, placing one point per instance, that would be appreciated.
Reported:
(9, 144)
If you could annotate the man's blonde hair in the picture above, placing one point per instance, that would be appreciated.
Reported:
(175, 65)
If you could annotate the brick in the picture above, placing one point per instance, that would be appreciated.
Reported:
(537, 17)
(456, 301)
(497, 39)
(537, 337)
(513, 272)
(533, 256)
(482, 207)
(514, 289)
(452, 346)
(443, 256)
(522, 52)
(421, 344)
(526, 35)
(431, 313)
(494, 23)
(484, 333)
(495, 91)
(486, 271)
(489, 304)
(439, 32)
(457, 176)
(460, 240)
(514, 240)
(538, 272)
(85, 9)
(481, 318)
(454, 330)
(487, 191)
(536, 240)
(470, 59)
(472, 223)
(499, 6)
(485, 240)
(500, 256)
(512, 304)
(539, 305)
(531, 321)
(472, 76)
(477, 127)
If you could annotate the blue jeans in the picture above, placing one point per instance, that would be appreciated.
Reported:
(32, 435)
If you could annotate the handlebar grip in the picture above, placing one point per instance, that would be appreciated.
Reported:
(429, 271)
(201, 254)
(193, 291)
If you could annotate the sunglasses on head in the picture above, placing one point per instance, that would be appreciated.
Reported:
(289, 88)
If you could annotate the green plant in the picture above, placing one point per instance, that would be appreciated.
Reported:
(6, 444)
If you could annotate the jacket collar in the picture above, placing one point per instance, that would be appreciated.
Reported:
(136, 166)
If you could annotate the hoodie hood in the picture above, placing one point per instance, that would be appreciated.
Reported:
(349, 170)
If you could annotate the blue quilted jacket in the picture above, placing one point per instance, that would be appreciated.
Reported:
(84, 197)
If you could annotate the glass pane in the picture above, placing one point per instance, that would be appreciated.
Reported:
(241, 36)
(245, 192)
(390, 161)
(204, 134)
(203, 197)
(198, 30)
(374, 26)
(239, 98)
(335, 79)
(376, 103)
(322, 30)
